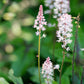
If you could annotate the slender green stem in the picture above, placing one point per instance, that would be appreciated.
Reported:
(39, 56)
(73, 63)
(75, 45)
(62, 66)
(73, 59)
(82, 77)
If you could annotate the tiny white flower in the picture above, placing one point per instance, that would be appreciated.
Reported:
(37, 33)
(54, 16)
(67, 48)
(47, 11)
(51, 25)
(69, 35)
(56, 11)
(37, 28)
(57, 66)
(63, 46)
(44, 35)
(50, 5)
(82, 49)
(69, 41)
(43, 29)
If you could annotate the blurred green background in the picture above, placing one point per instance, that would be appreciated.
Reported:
(19, 44)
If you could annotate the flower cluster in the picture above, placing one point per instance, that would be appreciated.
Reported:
(61, 7)
(47, 71)
(50, 5)
(65, 28)
(40, 21)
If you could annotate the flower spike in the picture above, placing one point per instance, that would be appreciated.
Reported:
(64, 33)
(47, 71)
(40, 21)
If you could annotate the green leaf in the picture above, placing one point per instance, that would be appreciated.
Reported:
(25, 60)
(54, 82)
(35, 76)
(4, 75)
(65, 80)
(3, 38)
(3, 81)
(2, 64)
(15, 80)
(68, 71)
(34, 72)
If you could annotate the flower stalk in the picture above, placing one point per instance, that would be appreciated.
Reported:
(39, 22)
(62, 66)
(64, 35)
(82, 76)
(39, 56)
(75, 43)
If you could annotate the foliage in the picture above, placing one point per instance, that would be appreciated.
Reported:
(19, 44)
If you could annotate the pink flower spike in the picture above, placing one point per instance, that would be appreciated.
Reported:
(40, 21)
(47, 71)
(64, 33)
